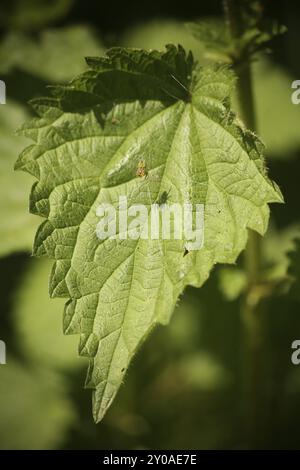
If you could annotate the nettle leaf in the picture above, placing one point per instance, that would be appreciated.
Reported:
(133, 106)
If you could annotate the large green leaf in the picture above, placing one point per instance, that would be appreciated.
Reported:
(160, 108)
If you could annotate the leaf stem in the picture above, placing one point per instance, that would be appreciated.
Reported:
(252, 315)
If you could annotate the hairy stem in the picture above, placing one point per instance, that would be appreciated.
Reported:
(252, 314)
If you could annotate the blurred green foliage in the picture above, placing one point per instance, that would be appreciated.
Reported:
(57, 56)
(156, 34)
(37, 413)
(18, 227)
(32, 15)
(38, 321)
(277, 116)
(186, 387)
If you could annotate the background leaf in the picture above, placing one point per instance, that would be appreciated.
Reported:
(38, 417)
(276, 114)
(38, 321)
(38, 13)
(57, 56)
(17, 227)
(156, 34)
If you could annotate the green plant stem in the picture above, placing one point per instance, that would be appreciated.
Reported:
(252, 315)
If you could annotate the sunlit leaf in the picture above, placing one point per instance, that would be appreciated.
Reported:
(90, 138)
